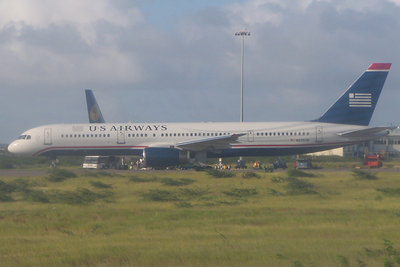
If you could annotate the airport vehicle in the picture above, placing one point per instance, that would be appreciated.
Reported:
(279, 164)
(94, 112)
(241, 164)
(166, 144)
(96, 162)
(303, 164)
(373, 161)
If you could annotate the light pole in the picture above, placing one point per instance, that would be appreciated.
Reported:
(242, 33)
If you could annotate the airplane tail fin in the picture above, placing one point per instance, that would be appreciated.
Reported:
(357, 104)
(94, 112)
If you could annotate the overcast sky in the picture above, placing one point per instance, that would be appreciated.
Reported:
(179, 61)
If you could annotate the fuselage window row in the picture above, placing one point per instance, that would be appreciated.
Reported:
(282, 133)
(183, 134)
(84, 136)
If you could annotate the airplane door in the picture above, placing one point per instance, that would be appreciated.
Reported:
(121, 137)
(250, 136)
(319, 134)
(47, 136)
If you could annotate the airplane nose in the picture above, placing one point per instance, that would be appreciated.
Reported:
(14, 148)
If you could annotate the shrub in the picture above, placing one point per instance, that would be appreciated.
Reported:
(22, 185)
(37, 196)
(274, 192)
(362, 175)
(247, 175)
(192, 192)
(389, 191)
(278, 179)
(6, 188)
(99, 184)
(298, 173)
(177, 182)
(96, 174)
(5, 197)
(18, 185)
(160, 195)
(220, 174)
(6, 165)
(298, 187)
(142, 179)
(80, 196)
(59, 175)
(241, 192)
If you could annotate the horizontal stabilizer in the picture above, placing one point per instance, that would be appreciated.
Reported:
(375, 131)
(209, 144)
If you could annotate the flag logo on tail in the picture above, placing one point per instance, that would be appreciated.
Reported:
(360, 100)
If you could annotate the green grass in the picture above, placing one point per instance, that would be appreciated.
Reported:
(203, 222)
(364, 175)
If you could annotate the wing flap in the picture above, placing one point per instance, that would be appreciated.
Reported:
(209, 144)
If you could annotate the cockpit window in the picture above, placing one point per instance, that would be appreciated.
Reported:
(24, 136)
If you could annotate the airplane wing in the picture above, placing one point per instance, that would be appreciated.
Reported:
(209, 144)
(374, 131)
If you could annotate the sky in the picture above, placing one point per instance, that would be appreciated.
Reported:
(179, 60)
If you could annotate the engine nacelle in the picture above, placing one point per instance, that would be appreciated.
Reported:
(164, 157)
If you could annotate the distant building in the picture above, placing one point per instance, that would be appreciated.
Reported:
(389, 146)
(331, 152)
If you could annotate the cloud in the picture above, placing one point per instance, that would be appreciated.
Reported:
(300, 57)
(81, 14)
(52, 42)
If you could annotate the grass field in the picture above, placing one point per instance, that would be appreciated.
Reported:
(185, 218)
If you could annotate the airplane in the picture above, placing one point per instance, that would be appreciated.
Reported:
(94, 112)
(167, 144)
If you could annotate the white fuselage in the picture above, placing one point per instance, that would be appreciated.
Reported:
(256, 138)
